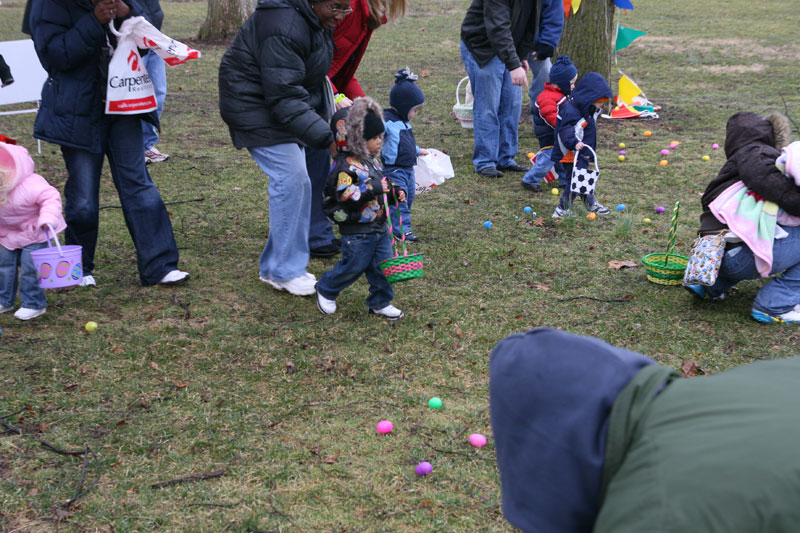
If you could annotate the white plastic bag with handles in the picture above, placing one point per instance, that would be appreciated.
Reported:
(432, 170)
(130, 89)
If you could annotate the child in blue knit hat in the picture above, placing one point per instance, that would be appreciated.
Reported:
(544, 113)
(400, 149)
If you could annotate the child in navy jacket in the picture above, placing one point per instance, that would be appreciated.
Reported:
(575, 131)
(400, 149)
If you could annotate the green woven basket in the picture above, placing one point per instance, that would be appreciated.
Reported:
(402, 267)
(669, 274)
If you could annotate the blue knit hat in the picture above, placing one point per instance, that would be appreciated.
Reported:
(405, 94)
(562, 72)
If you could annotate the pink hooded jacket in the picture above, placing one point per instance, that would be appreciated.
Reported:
(32, 202)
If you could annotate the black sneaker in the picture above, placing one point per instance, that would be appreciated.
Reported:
(410, 237)
(490, 172)
(531, 187)
(513, 167)
(329, 250)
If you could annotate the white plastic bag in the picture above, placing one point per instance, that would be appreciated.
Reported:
(432, 169)
(129, 88)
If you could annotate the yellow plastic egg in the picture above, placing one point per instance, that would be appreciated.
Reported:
(706, 158)
(621, 145)
(90, 326)
(554, 190)
(646, 220)
(621, 158)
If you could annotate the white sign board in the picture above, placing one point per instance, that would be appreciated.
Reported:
(28, 74)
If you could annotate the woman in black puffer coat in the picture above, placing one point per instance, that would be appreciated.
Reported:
(272, 96)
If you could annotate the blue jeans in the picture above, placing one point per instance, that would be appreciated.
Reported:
(144, 211)
(320, 231)
(541, 74)
(361, 254)
(403, 177)
(540, 168)
(495, 112)
(782, 292)
(158, 73)
(286, 252)
(30, 293)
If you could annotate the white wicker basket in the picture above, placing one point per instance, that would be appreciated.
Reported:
(463, 111)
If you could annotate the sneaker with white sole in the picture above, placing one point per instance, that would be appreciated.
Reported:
(4, 309)
(562, 213)
(87, 281)
(390, 312)
(599, 209)
(325, 306)
(789, 317)
(23, 313)
(701, 292)
(173, 277)
(299, 286)
(154, 155)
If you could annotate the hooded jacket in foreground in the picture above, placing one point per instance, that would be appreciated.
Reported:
(576, 116)
(32, 202)
(752, 144)
(272, 78)
(594, 438)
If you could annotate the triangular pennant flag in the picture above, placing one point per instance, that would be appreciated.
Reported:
(625, 112)
(625, 36)
(576, 5)
(567, 6)
(624, 4)
(628, 90)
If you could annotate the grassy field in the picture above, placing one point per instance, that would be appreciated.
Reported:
(226, 374)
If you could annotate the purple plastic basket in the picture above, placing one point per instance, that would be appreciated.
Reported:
(58, 266)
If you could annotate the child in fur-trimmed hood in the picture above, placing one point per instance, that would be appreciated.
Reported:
(354, 200)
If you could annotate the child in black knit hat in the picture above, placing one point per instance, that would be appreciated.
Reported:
(400, 149)
(354, 201)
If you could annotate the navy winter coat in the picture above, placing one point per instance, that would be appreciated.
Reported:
(272, 78)
(578, 108)
(71, 45)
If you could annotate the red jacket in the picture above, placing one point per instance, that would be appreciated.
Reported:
(351, 37)
(548, 101)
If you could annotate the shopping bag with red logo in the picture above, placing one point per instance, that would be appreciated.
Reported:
(130, 89)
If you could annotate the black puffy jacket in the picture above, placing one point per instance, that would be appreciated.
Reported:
(272, 78)
(152, 12)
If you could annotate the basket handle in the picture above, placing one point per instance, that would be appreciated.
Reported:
(594, 154)
(51, 234)
(458, 89)
(389, 220)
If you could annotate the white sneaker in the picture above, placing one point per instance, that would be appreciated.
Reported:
(390, 312)
(312, 277)
(23, 313)
(175, 276)
(87, 281)
(299, 286)
(5, 309)
(561, 213)
(325, 306)
(154, 155)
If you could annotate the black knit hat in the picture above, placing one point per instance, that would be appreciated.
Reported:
(373, 125)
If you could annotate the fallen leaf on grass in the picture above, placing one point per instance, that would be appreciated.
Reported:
(538, 222)
(154, 365)
(691, 369)
(425, 73)
(330, 459)
(290, 367)
(618, 265)
(539, 287)
(180, 384)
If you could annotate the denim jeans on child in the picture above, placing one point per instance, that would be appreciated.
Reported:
(403, 177)
(495, 112)
(361, 254)
(158, 73)
(286, 253)
(782, 292)
(144, 211)
(30, 293)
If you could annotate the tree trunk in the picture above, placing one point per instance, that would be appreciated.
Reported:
(224, 18)
(588, 37)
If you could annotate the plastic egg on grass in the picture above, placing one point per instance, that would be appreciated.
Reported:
(715, 146)
(554, 191)
(621, 157)
(646, 221)
(477, 440)
(663, 162)
(487, 224)
(620, 207)
(673, 145)
(706, 158)
(621, 145)
(660, 209)
(530, 155)
(90, 326)
(384, 427)
(424, 468)
(527, 209)
(591, 216)
(664, 152)
(622, 152)
(435, 403)
(647, 133)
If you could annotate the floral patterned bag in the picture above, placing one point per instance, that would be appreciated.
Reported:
(706, 258)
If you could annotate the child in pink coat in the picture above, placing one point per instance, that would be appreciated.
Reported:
(27, 205)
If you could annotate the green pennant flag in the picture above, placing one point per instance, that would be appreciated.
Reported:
(625, 36)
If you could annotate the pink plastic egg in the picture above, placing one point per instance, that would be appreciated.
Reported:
(664, 152)
(715, 146)
(424, 468)
(477, 440)
(384, 426)
(673, 145)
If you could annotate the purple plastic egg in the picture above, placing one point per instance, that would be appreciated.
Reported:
(424, 468)
(623, 152)
(660, 209)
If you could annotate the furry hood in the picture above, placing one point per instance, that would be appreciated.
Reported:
(356, 143)
(746, 128)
